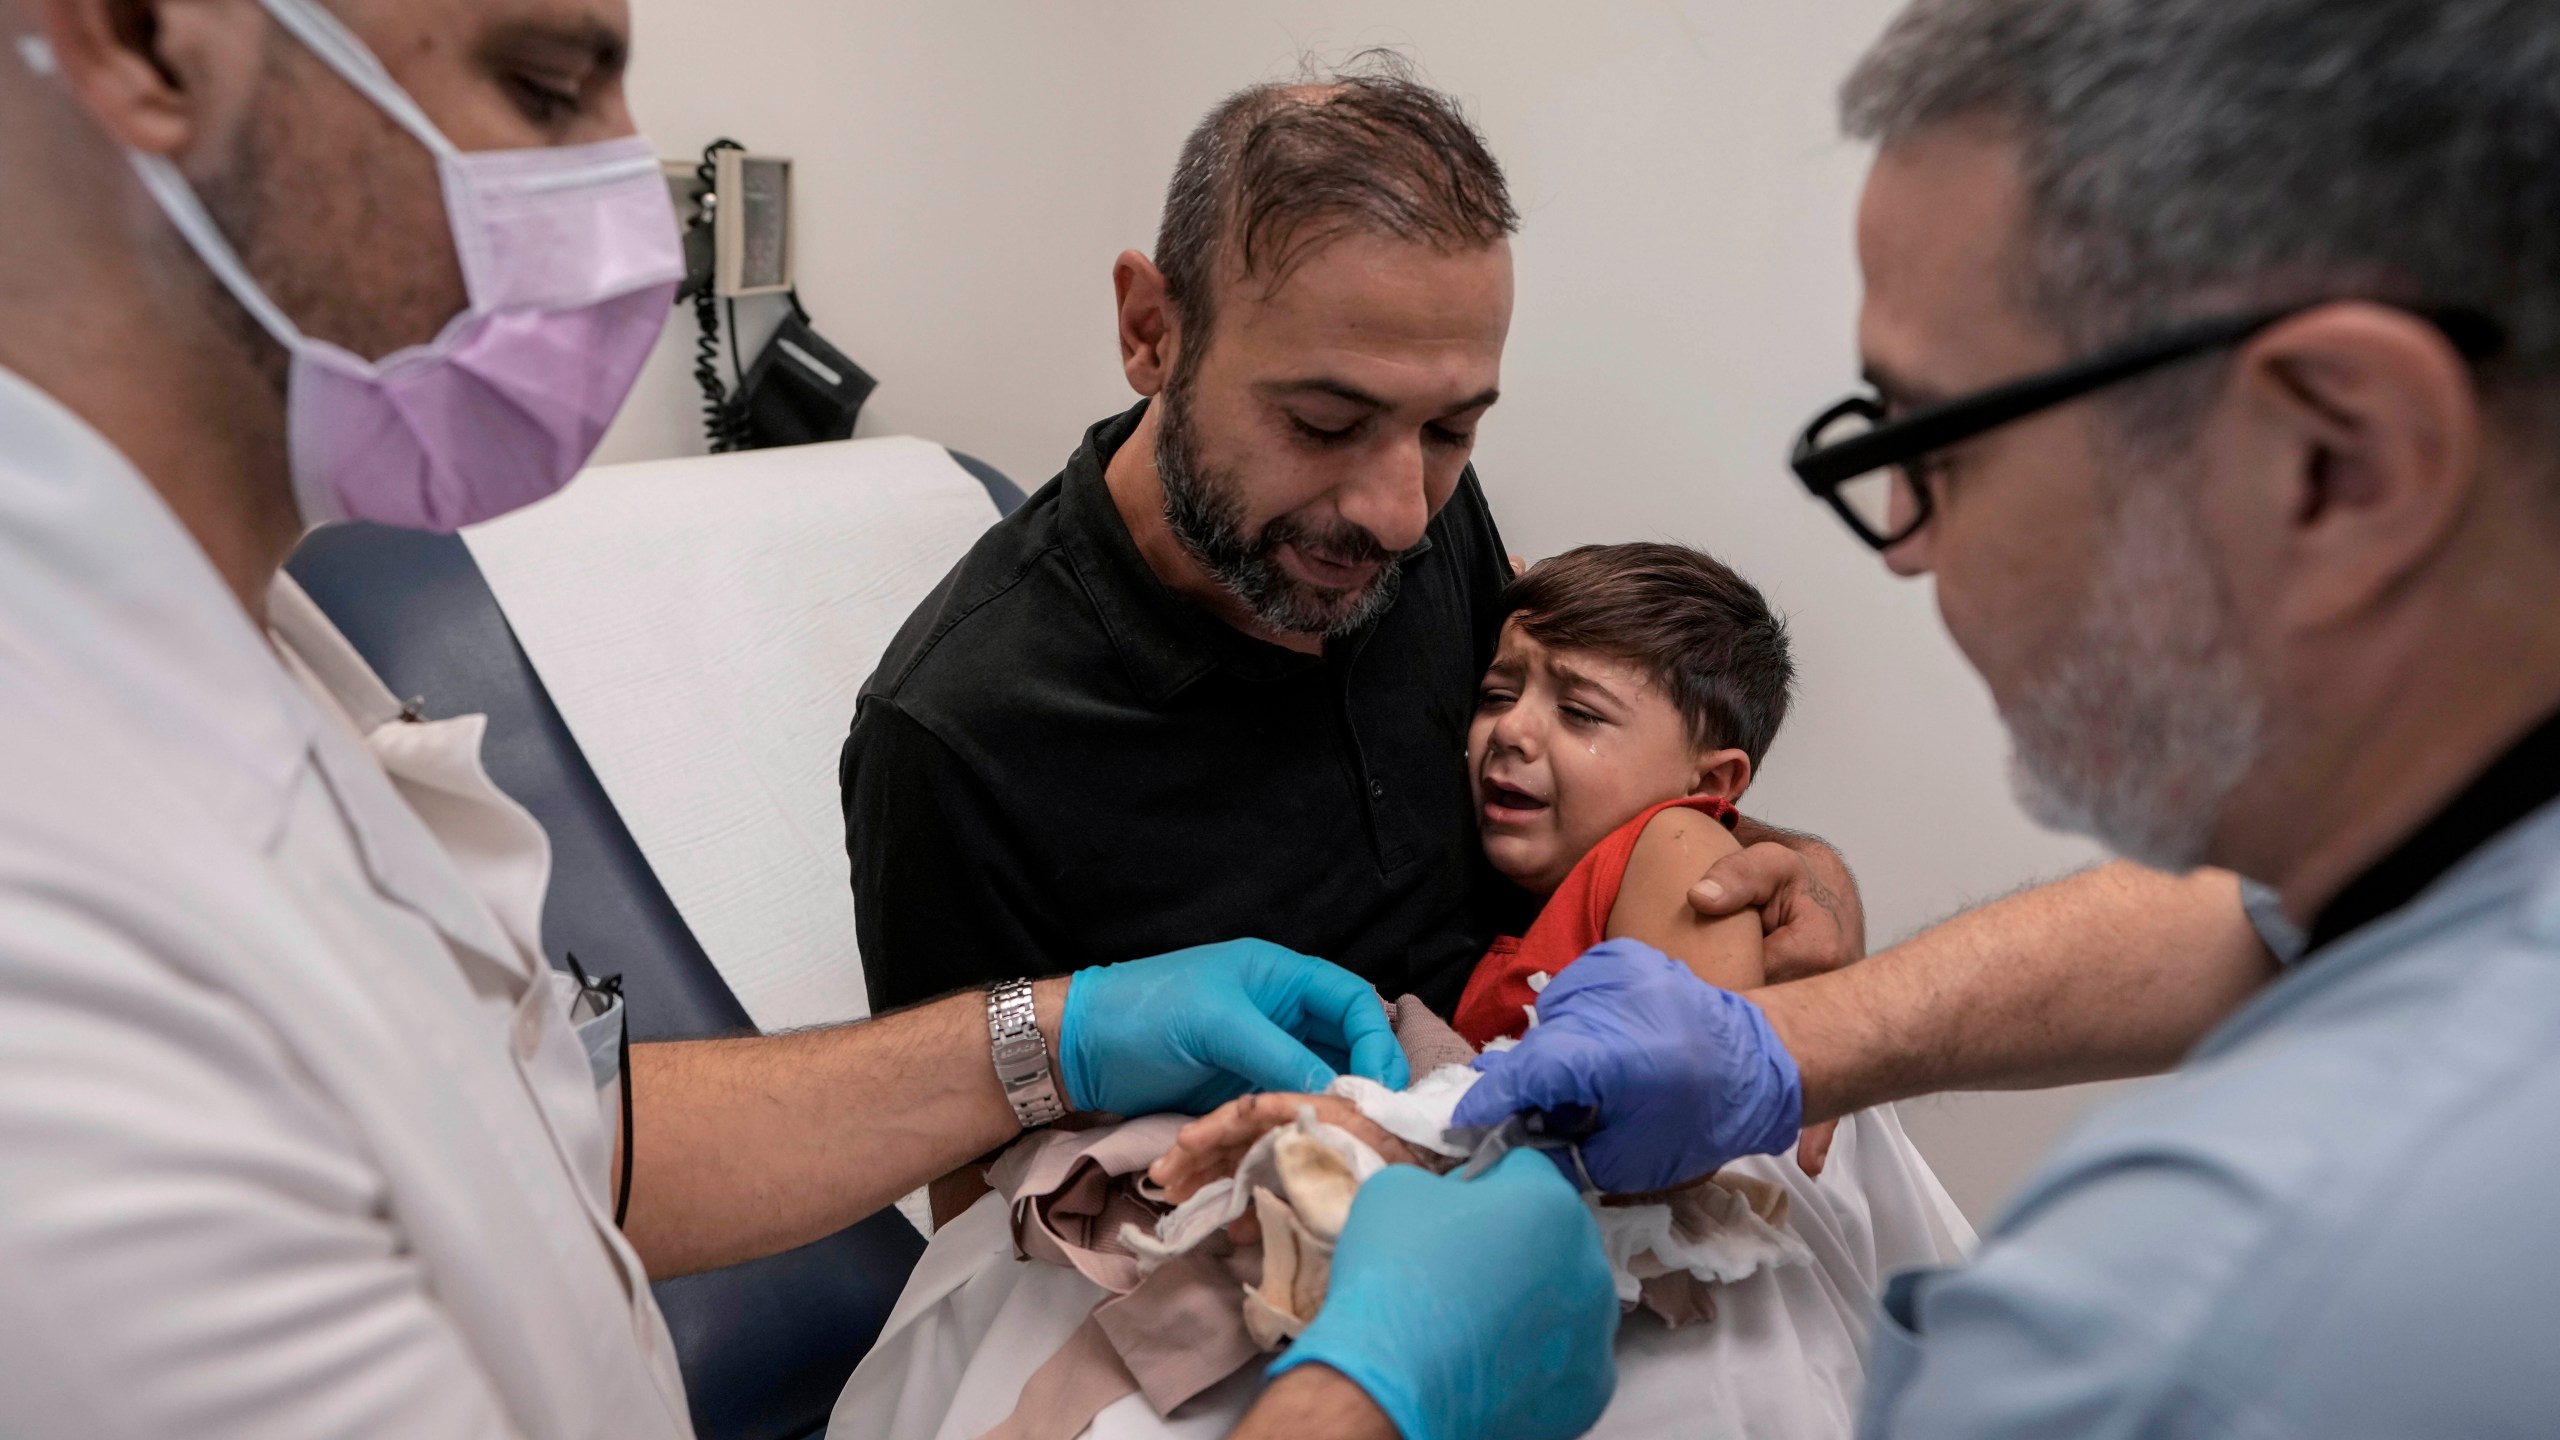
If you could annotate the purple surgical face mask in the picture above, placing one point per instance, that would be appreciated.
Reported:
(571, 260)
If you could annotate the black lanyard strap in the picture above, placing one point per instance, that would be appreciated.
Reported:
(2517, 783)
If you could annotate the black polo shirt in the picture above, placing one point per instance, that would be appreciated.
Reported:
(1061, 763)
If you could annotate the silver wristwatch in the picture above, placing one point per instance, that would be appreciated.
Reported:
(1021, 1055)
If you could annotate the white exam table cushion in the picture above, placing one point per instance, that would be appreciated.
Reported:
(703, 625)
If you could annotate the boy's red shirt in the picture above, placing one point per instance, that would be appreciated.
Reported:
(1507, 980)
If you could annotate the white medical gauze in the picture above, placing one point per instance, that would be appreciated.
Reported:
(1709, 1230)
(1418, 1116)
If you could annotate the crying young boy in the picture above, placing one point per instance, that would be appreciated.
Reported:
(1633, 696)
(1630, 704)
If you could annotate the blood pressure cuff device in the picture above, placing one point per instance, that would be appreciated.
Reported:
(801, 390)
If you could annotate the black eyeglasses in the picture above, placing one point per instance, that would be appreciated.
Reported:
(1858, 460)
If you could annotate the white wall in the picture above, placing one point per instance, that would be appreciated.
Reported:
(968, 169)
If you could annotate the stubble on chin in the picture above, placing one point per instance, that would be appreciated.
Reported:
(2145, 717)
(1204, 508)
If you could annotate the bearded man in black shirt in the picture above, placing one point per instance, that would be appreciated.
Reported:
(1214, 679)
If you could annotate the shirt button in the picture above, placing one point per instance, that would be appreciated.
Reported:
(1377, 790)
(529, 1028)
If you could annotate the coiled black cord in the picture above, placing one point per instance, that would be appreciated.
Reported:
(724, 420)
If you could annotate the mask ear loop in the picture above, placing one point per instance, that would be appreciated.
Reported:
(338, 48)
(186, 214)
(178, 201)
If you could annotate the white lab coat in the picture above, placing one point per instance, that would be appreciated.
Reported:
(296, 1138)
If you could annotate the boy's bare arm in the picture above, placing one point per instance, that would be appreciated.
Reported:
(1653, 906)
(2113, 972)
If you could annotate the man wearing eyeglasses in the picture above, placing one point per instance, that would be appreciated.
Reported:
(2216, 356)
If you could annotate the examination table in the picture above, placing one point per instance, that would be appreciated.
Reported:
(766, 1345)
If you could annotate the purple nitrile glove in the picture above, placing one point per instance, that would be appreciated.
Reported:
(1672, 1076)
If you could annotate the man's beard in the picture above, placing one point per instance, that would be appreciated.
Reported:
(2148, 718)
(1204, 507)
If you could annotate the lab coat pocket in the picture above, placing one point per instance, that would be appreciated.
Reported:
(601, 1035)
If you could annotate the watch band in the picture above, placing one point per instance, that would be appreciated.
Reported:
(1021, 1055)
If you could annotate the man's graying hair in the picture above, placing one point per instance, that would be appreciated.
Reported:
(2202, 156)
(1277, 170)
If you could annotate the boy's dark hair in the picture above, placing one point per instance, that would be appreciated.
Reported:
(1705, 634)
(1277, 170)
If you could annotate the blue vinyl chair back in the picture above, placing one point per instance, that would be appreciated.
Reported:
(765, 1345)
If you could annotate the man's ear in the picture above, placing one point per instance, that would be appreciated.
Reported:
(2369, 420)
(1724, 773)
(1147, 331)
(125, 62)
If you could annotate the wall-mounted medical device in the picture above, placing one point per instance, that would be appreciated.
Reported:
(752, 225)
(737, 215)
(736, 209)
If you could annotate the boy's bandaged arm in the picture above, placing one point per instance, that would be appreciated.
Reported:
(2113, 972)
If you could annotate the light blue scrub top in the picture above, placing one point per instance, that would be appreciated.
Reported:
(2340, 1219)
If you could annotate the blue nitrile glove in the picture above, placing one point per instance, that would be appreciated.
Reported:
(1193, 1030)
(1678, 1076)
(1470, 1309)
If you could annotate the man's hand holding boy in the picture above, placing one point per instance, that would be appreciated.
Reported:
(1811, 917)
